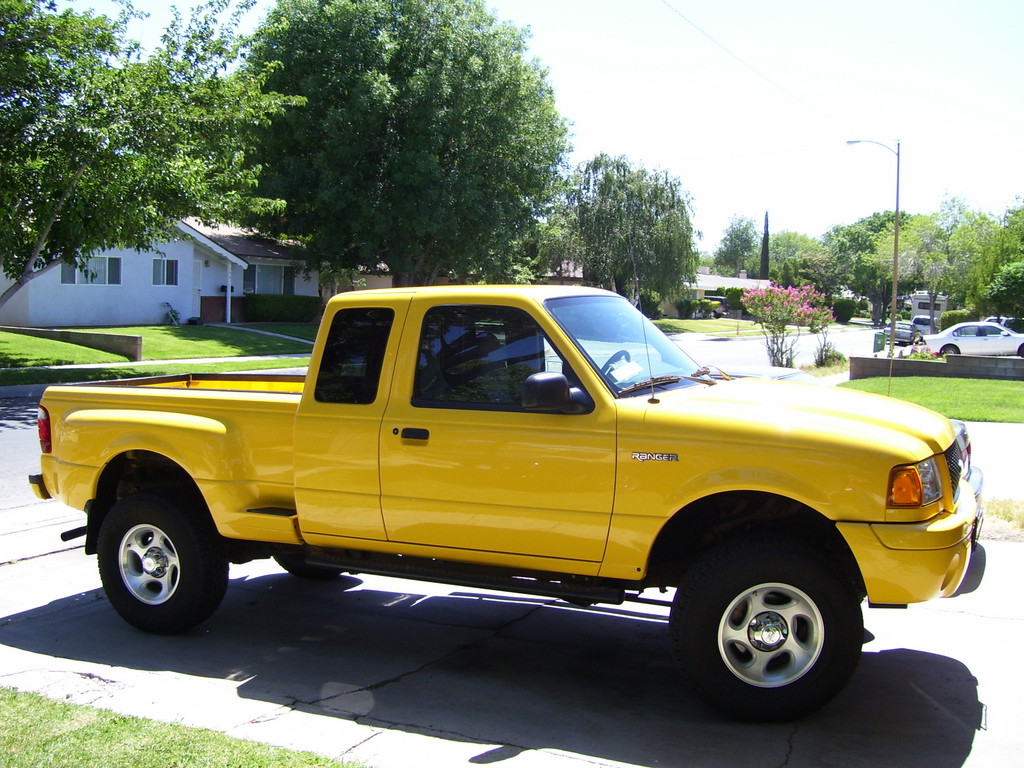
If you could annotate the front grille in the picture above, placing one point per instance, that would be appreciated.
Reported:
(954, 460)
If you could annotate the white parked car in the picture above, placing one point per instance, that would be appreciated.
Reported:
(976, 339)
(923, 324)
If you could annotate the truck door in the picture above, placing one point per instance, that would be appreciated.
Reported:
(337, 484)
(465, 466)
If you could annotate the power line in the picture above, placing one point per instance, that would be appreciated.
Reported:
(736, 57)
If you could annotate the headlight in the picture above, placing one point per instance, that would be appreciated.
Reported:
(915, 485)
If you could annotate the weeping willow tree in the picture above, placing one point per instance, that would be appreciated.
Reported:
(629, 229)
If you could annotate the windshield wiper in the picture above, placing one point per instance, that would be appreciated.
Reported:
(652, 383)
(708, 370)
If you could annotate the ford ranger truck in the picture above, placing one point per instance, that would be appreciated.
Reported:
(546, 440)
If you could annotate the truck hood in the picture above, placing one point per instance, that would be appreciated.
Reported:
(810, 413)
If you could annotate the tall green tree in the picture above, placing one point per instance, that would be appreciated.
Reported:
(1006, 293)
(739, 248)
(860, 249)
(429, 142)
(630, 229)
(995, 245)
(764, 266)
(100, 148)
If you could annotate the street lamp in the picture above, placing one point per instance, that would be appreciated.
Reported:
(895, 241)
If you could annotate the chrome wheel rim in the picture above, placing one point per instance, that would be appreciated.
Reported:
(149, 564)
(771, 635)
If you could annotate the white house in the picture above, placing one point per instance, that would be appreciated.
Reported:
(194, 273)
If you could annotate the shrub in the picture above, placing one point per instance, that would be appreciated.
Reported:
(954, 316)
(735, 298)
(843, 309)
(826, 355)
(650, 304)
(267, 308)
(685, 307)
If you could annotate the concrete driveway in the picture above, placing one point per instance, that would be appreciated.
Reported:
(398, 673)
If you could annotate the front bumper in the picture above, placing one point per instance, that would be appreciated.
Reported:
(913, 562)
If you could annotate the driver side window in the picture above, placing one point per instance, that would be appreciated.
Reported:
(479, 357)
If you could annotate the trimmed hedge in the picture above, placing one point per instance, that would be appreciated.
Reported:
(843, 310)
(953, 316)
(267, 308)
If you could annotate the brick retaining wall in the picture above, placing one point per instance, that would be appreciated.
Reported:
(956, 366)
(117, 343)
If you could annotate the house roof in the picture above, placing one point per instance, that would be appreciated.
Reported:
(706, 282)
(242, 243)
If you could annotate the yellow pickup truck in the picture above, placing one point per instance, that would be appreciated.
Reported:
(547, 440)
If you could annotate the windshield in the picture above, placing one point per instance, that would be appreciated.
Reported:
(626, 348)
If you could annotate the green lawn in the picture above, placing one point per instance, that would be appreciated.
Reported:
(36, 732)
(299, 330)
(22, 357)
(166, 342)
(159, 342)
(721, 327)
(967, 399)
(19, 351)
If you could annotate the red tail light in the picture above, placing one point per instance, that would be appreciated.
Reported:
(43, 425)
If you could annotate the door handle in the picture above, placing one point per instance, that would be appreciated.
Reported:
(414, 433)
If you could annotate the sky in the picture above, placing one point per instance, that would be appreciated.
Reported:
(751, 104)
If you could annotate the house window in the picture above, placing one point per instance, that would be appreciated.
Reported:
(165, 271)
(99, 270)
(269, 279)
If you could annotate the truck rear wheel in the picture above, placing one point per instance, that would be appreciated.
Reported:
(765, 630)
(163, 570)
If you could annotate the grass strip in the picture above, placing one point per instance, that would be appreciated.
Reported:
(967, 399)
(36, 732)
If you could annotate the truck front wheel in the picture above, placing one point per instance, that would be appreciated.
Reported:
(163, 570)
(765, 630)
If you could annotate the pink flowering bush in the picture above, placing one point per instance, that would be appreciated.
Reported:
(782, 312)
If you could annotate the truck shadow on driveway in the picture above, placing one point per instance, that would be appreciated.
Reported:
(519, 672)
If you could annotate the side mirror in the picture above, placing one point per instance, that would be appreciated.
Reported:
(550, 391)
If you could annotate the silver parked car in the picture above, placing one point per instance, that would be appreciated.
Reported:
(906, 334)
(976, 338)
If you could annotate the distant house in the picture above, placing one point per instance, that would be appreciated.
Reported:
(707, 285)
(194, 273)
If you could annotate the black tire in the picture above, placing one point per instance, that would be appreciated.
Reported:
(163, 569)
(765, 630)
(296, 565)
(950, 349)
(1020, 351)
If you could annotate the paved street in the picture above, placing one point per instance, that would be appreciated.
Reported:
(734, 352)
(398, 673)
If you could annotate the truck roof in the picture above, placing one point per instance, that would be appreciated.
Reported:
(539, 292)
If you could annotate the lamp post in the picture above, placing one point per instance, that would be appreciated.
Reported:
(895, 240)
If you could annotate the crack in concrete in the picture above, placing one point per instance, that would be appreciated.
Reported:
(790, 745)
(29, 558)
